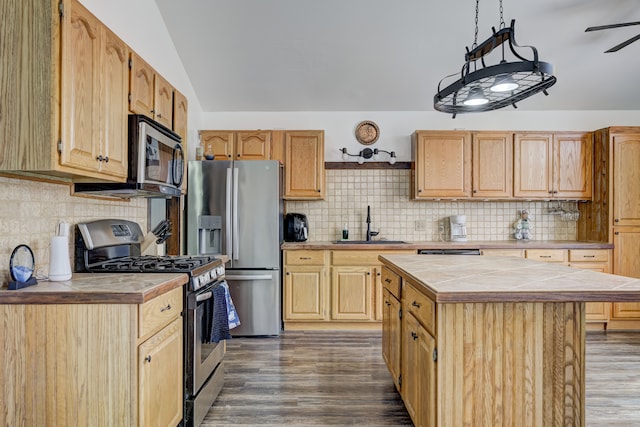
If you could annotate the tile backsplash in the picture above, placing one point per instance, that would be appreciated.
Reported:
(349, 191)
(30, 210)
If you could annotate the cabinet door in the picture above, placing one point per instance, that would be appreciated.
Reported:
(426, 368)
(573, 165)
(115, 81)
(351, 293)
(163, 101)
(626, 262)
(253, 145)
(492, 165)
(443, 165)
(410, 365)
(391, 335)
(532, 168)
(160, 377)
(80, 95)
(141, 86)
(377, 292)
(304, 165)
(626, 180)
(218, 144)
(304, 293)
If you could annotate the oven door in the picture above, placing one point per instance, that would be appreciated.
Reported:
(202, 358)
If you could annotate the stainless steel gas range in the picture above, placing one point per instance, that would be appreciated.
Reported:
(113, 246)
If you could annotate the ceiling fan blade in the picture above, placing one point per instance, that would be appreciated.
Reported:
(606, 27)
(623, 44)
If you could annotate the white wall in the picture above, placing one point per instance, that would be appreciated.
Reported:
(396, 127)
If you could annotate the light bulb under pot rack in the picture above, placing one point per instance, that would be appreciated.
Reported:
(368, 153)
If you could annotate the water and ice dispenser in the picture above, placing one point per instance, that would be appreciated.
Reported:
(209, 234)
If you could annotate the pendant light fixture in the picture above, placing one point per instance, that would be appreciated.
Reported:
(485, 87)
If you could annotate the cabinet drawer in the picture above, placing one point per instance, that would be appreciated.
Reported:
(547, 255)
(588, 255)
(304, 257)
(362, 257)
(392, 282)
(503, 252)
(421, 307)
(155, 314)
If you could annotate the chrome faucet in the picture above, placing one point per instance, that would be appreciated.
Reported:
(369, 232)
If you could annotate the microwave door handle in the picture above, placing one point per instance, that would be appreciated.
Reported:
(178, 165)
(227, 227)
(236, 239)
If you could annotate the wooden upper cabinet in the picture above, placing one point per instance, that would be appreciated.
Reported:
(253, 145)
(533, 168)
(492, 165)
(114, 109)
(142, 89)
(180, 116)
(236, 145)
(304, 165)
(219, 143)
(94, 95)
(550, 165)
(573, 165)
(626, 179)
(442, 165)
(80, 88)
(150, 93)
(163, 102)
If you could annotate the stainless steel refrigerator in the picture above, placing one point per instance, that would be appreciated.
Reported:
(235, 208)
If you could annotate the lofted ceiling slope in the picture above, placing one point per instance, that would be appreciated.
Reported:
(382, 55)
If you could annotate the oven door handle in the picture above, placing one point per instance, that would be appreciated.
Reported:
(250, 277)
(204, 296)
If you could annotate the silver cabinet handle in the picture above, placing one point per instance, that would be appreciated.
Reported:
(168, 307)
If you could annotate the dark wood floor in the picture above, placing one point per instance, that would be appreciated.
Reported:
(339, 379)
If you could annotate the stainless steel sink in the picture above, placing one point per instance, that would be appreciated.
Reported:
(369, 242)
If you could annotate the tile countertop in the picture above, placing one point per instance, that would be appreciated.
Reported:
(481, 244)
(97, 288)
(452, 279)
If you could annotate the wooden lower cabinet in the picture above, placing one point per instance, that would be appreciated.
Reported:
(626, 262)
(304, 293)
(305, 286)
(92, 364)
(418, 372)
(333, 289)
(157, 359)
(351, 293)
(392, 324)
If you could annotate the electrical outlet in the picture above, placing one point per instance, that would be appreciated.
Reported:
(421, 225)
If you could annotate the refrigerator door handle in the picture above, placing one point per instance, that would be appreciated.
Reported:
(249, 277)
(227, 227)
(236, 238)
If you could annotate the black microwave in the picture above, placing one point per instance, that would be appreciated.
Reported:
(156, 163)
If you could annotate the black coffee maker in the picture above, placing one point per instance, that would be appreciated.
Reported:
(296, 227)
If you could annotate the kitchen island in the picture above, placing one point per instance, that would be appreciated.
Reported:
(491, 341)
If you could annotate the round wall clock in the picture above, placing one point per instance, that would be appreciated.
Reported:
(367, 132)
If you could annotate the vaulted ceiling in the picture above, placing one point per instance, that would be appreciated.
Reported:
(383, 55)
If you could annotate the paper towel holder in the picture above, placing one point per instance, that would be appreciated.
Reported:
(22, 266)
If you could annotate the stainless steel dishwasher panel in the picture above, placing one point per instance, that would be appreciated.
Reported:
(256, 294)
